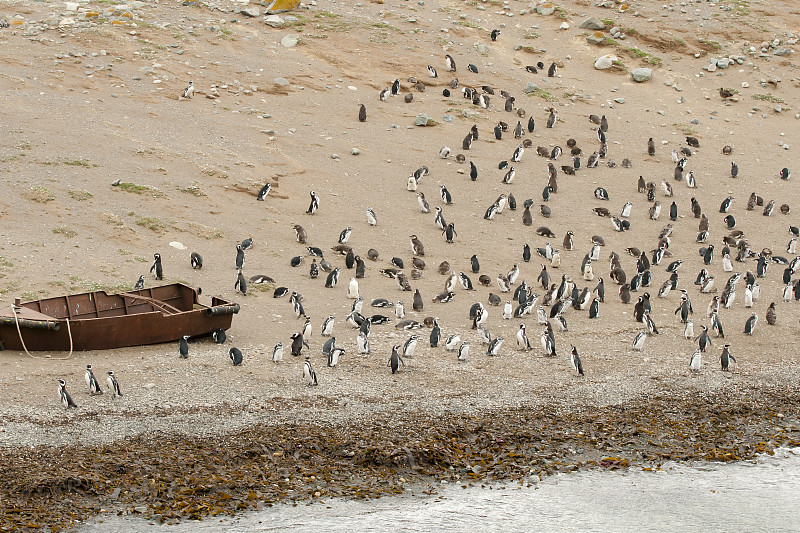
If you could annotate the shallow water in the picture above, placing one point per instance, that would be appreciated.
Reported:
(762, 495)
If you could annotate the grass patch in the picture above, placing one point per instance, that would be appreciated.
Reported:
(768, 98)
(140, 189)
(608, 22)
(466, 24)
(5, 263)
(686, 129)
(647, 57)
(385, 26)
(154, 224)
(571, 94)
(713, 44)
(80, 196)
(41, 194)
(65, 231)
(193, 189)
(541, 93)
(531, 34)
(77, 163)
(203, 231)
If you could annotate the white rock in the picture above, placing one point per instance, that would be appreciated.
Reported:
(605, 62)
(564, 26)
(177, 245)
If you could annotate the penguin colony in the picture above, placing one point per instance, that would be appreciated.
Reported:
(560, 295)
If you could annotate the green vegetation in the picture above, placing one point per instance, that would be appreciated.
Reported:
(608, 22)
(713, 44)
(41, 194)
(768, 98)
(80, 196)
(139, 189)
(193, 189)
(77, 163)
(531, 34)
(644, 56)
(5, 263)
(541, 93)
(154, 224)
(466, 23)
(686, 129)
(65, 231)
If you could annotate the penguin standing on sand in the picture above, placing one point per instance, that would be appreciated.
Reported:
(236, 356)
(241, 283)
(263, 192)
(297, 344)
(327, 326)
(188, 92)
(494, 347)
(308, 373)
(314, 205)
(64, 396)
(450, 63)
(463, 352)
(196, 261)
(395, 360)
(575, 359)
(696, 362)
(726, 357)
(113, 386)
(750, 325)
(183, 347)
(522, 339)
(436, 334)
(139, 284)
(91, 381)
(703, 340)
(362, 113)
(239, 257)
(157, 269)
(219, 336)
(332, 278)
(277, 353)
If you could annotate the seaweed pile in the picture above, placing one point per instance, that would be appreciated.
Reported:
(170, 478)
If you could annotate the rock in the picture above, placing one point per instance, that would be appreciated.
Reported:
(251, 12)
(355, 151)
(597, 37)
(290, 41)
(564, 26)
(592, 23)
(604, 62)
(424, 119)
(782, 52)
(448, 118)
(745, 85)
(177, 245)
(545, 9)
(481, 48)
(530, 87)
(619, 100)
(724, 62)
(67, 22)
(282, 81)
(642, 74)
(274, 20)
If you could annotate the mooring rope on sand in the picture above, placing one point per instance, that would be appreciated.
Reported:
(19, 332)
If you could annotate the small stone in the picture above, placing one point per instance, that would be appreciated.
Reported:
(481, 48)
(564, 26)
(778, 108)
(424, 119)
(282, 81)
(597, 37)
(619, 100)
(274, 21)
(642, 74)
(592, 23)
(745, 85)
(355, 151)
(448, 118)
(530, 87)
(335, 156)
(251, 12)
(605, 62)
(290, 41)
(545, 9)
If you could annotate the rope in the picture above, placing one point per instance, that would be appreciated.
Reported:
(19, 332)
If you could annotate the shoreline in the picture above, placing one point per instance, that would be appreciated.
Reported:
(168, 478)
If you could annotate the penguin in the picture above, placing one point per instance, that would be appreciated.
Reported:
(241, 283)
(399, 310)
(449, 63)
(362, 112)
(772, 316)
(362, 341)
(495, 34)
(508, 311)
(327, 326)
(703, 340)
(308, 373)
(157, 269)
(334, 355)
(444, 152)
(183, 346)
(696, 361)
(112, 384)
(450, 232)
(688, 330)
(139, 285)
(423, 203)
(594, 309)
(432, 72)
(332, 278)
(494, 347)
(516, 157)
(452, 342)
(219, 336)
(417, 304)
(600, 290)
(314, 205)
(300, 234)
(196, 260)
(328, 346)
(188, 92)
(522, 339)
(626, 210)
(575, 359)
(91, 381)
(395, 87)
(750, 325)
(235, 355)
(638, 341)
(239, 257)
(436, 334)
(551, 119)
(726, 357)
(734, 170)
(64, 396)
(297, 344)
(361, 267)
(352, 289)
(447, 198)
(263, 192)
(651, 147)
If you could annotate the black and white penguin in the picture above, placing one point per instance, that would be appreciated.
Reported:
(452, 342)
(395, 360)
(219, 336)
(436, 334)
(183, 346)
(188, 92)
(314, 205)
(523, 343)
(280, 292)
(332, 278)
(297, 344)
(450, 233)
(703, 340)
(494, 346)
(395, 87)
(241, 284)
(112, 384)
(277, 353)
(638, 341)
(594, 308)
(362, 113)
(328, 346)
(239, 257)
(447, 198)
(696, 361)
(495, 33)
(450, 63)
(463, 352)
(327, 326)
(726, 357)
(410, 345)
(750, 325)
(139, 285)
(432, 72)
(334, 355)
(575, 359)
(551, 72)
(552, 119)
(91, 381)
(516, 157)
(157, 269)
(263, 192)
(308, 373)
(64, 396)
(236, 356)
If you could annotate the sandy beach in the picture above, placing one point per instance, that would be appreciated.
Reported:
(91, 95)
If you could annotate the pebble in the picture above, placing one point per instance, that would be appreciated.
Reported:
(289, 41)
(619, 100)
(355, 151)
(642, 74)
(282, 81)
(335, 156)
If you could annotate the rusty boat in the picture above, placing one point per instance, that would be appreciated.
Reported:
(98, 320)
